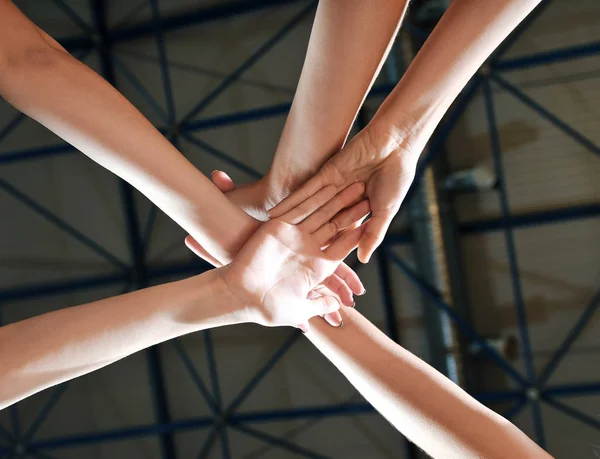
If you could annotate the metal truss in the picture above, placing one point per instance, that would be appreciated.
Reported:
(532, 389)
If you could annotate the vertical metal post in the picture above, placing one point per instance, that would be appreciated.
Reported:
(513, 261)
(140, 273)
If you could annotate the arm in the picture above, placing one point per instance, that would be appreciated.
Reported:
(419, 401)
(43, 351)
(429, 409)
(385, 154)
(42, 80)
(349, 42)
(46, 350)
(348, 45)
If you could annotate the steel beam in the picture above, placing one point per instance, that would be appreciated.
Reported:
(548, 115)
(548, 57)
(458, 320)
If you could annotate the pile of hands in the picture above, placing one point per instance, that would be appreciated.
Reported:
(292, 268)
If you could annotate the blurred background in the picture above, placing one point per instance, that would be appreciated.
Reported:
(490, 273)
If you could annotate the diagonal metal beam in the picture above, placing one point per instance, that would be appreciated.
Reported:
(218, 11)
(255, 57)
(140, 88)
(131, 14)
(548, 115)
(209, 443)
(222, 156)
(459, 321)
(516, 408)
(572, 412)
(214, 380)
(282, 443)
(247, 390)
(568, 53)
(61, 224)
(571, 337)
(12, 125)
(189, 365)
(74, 16)
(164, 66)
(55, 396)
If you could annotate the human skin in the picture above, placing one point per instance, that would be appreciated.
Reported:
(39, 78)
(420, 402)
(384, 155)
(51, 348)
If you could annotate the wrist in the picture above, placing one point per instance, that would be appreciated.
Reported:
(391, 139)
(232, 300)
(212, 304)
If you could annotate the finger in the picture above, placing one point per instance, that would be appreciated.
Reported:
(201, 252)
(345, 244)
(310, 188)
(332, 207)
(350, 278)
(304, 327)
(306, 208)
(323, 305)
(375, 230)
(334, 319)
(341, 221)
(222, 181)
(339, 287)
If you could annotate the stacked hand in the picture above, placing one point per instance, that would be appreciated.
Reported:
(382, 160)
(275, 278)
(343, 282)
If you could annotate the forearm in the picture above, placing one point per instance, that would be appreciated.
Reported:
(348, 45)
(48, 84)
(464, 38)
(46, 350)
(425, 406)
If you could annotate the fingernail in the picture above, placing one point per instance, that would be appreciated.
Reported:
(363, 292)
(353, 305)
(341, 324)
(213, 172)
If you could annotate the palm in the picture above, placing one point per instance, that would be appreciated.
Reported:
(275, 274)
(290, 276)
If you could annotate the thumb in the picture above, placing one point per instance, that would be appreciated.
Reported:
(323, 305)
(374, 233)
(201, 252)
(222, 181)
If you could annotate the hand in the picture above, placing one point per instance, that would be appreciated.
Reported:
(344, 282)
(381, 160)
(275, 274)
(255, 198)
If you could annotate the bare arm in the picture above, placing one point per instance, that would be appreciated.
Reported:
(45, 350)
(42, 80)
(420, 402)
(348, 45)
(349, 42)
(384, 155)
